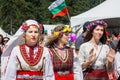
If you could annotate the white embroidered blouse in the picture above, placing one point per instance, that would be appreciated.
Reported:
(14, 64)
(101, 62)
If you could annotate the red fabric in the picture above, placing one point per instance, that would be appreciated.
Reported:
(30, 73)
(58, 64)
(22, 79)
(112, 75)
(98, 73)
(69, 76)
(32, 53)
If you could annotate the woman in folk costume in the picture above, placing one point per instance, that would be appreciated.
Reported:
(65, 62)
(28, 61)
(96, 57)
(117, 60)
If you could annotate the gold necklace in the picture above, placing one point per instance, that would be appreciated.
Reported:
(63, 60)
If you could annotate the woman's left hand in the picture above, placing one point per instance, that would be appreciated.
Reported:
(111, 55)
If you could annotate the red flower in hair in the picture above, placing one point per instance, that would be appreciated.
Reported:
(24, 26)
(41, 26)
(107, 33)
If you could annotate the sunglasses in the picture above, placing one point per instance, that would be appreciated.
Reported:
(67, 34)
(5, 40)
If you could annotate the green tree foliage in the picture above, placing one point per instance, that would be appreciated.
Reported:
(14, 12)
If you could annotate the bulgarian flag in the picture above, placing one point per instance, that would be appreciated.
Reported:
(58, 8)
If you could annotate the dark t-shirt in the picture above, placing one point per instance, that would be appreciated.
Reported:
(113, 44)
(79, 41)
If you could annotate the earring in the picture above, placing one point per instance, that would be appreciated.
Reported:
(23, 39)
(38, 39)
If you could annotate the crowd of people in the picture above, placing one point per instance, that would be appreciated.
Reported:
(32, 54)
(3, 41)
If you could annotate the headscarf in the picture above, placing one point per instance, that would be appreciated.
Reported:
(15, 39)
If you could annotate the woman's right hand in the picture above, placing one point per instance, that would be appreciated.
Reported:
(92, 56)
(90, 60)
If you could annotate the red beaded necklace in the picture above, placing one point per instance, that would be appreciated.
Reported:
(32, 60)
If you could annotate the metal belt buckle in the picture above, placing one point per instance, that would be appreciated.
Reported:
(66, 72)
(99, 67)
(25, 77)
(63, 73)
(60, 73)
(34, 77)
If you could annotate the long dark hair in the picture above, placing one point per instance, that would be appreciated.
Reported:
(92, 26)
(118, 46)
(1, 38)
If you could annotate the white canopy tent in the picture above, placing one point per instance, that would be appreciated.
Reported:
(49, 28)
(109, 10)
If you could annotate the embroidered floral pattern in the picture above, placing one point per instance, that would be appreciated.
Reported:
(27, 58)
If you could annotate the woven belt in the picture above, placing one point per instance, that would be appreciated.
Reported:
(98, 67)
(63, 72)
(29, 77)
(32, 75)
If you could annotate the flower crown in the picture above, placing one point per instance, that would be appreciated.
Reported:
(25, 26)
(97, 22)
(66, 29)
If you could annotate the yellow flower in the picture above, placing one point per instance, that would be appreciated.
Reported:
(56, 33)
(67, 29)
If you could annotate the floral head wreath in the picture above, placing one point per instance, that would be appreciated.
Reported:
(66, 29)
(25, 26)
(97, 22)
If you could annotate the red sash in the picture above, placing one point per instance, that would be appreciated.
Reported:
(96, 75)
(69, 76)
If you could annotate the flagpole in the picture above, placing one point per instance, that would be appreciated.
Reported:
(68, 15)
